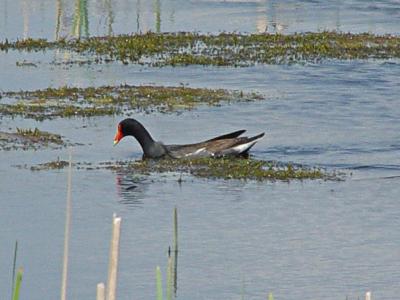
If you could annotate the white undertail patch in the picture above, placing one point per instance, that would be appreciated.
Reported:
(244, 147)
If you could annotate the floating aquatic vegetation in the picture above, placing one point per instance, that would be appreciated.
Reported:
(224, 49)
(25, 63)
(51, 165)
(30, 139)
(36, 135)
(223, 168)
(231, 168)
(110, 100)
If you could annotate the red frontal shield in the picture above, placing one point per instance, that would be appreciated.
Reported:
(118, 135)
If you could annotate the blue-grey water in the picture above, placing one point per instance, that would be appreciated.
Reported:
(238, 240)
(59, 18)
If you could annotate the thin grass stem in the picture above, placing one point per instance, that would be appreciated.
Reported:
(159, 284)
(67, 231)
(113, 262)
(100, 291)
(169, 276)
(13, 270)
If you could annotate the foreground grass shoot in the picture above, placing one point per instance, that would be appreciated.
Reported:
(114, 258)
(18, 281)
(172, 269)
(159, 284)
(67, 230)
(14, 269)
(101, 291)
(270, 296)
(172, 266)
(170, 274)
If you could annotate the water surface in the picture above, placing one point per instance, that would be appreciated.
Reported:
(315, 239)
(81, 18)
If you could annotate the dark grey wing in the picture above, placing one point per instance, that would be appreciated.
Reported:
(215, 147)
(191, 150)
(240, 147)
(231, 135)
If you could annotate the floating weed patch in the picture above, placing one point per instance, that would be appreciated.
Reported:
(224, 168)
(231, 168)
(225, 49)
(51, 165)
(25, 63)
(30, 139)
(37, 135)
(110, 100)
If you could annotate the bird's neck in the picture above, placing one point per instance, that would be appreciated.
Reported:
(144, 138)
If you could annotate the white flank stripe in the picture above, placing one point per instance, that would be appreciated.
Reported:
(196, 152)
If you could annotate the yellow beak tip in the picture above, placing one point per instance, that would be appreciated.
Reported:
(115, 143)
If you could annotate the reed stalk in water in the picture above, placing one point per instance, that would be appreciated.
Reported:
(13, 270)
(67, 231)
(159, 284)
(113, 262)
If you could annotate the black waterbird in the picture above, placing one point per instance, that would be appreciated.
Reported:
(230, 144)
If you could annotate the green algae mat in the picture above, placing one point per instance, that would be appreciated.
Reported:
(225, 49)
(229, 168)
(112, 100)
(212, 168)
(30, 139)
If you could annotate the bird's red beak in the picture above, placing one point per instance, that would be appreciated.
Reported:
(118, 135)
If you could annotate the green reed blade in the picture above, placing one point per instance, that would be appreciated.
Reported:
(159, 283)
(175, 229)
(13, 270)
(18, 281)
(270, 296)
(169, 276)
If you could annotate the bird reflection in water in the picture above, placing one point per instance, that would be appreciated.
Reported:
(130, 189)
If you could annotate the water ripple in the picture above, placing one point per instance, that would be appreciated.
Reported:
(130, 189)
(337, 149)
